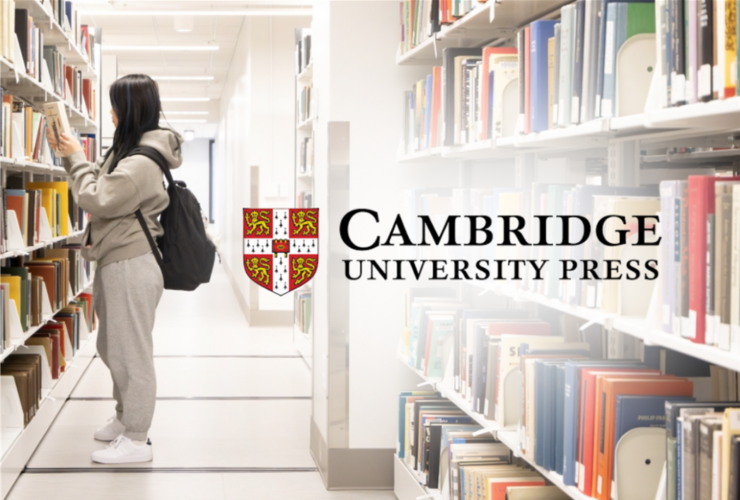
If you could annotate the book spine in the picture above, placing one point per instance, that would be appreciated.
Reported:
(692, 47)
(556, 75)
(705, 52)
(667, 252)
(697, 257)
(678, 76)
(735, 267)
(718, 88)
(709, 270)
(528, 67)
(730, 48)
(565, 68)
(578, 62)
(600, 55)
(611, 25)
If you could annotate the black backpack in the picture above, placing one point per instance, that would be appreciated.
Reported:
(187, 254)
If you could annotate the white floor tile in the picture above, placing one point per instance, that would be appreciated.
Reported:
(214, 377)
(272, 433)
(118, 486)
(177, 486)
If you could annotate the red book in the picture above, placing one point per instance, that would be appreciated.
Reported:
(527, 83)
(587, 419)
(485, 101)
(701, 211)
(15, 203)
(436, 104)
(59, 329)
(87, 95)
(69, 77)
(513, 327)
(497, 486)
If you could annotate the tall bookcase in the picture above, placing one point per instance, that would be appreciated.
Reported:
(305, 112)
(18, 443)
(625, 151)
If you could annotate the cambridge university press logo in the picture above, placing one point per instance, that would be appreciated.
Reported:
(281, 247)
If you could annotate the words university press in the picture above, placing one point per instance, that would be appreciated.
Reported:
(476, 231)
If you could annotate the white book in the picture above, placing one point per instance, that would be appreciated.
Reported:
(735, 269)
(508, 363)
(565, 88)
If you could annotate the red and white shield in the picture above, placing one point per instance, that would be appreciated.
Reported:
(281, 247)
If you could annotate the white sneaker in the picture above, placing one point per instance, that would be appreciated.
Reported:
(122, 450)
(111, 431)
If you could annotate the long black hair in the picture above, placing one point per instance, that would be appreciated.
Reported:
(135, 100)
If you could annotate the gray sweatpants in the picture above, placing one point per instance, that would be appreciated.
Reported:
(126, 295)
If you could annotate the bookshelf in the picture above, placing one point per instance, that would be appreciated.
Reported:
(19, 443)
(303, 322)
(632, 150)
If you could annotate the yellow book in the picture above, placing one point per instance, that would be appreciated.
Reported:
(14, 283)
(62, 189)
(730, 427)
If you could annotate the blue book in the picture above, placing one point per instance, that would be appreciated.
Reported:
(559, 416)
(68, 12)
(540, 32)
(579, 28)
(428, 112)
(571, 403)
(540, 403)
(641, 411)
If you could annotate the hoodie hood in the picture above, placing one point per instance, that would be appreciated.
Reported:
(167, 142)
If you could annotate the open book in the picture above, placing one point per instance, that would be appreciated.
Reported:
(56, 120)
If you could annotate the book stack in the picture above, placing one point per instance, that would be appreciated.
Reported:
(421, 19)
(465, 100)
(7, 25)
(303, 51)
(305, 160)
(65, 14)
(304, 309)
(701, 301)
(23, 131)
(304, 103)
(440, 443)
(26, 371)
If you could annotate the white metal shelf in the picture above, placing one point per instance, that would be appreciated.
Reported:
(407, 483)
(32, 166)
(702, 119)
(306, 75)
(632, 326)
(17, 454)
(306, 124)
(38, 246)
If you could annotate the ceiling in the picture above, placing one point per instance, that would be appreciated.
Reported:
(127, 23)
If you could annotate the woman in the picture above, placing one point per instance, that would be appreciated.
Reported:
(128, 283)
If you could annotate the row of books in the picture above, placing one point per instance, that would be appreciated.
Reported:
(304, 199)
(59, 340)
(58, 270)
(303, 310)
(421, 19)
(465, 100)
(46, 64)
(701, 294)
(305, 159)
(24, 131)
(66, 16)
(518, 377)
(303, 51)
(305, 104)
(439, 442)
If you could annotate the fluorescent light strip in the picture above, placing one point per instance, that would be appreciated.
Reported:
(157, 48)
(271, 12)
(171, 113)
(183, 121)
(183, 78)
(185, 99)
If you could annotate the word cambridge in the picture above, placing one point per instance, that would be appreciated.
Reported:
(477, 231)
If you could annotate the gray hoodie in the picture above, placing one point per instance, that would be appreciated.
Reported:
(113, 233)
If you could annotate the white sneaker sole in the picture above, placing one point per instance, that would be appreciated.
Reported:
(105, 439)
(124, 460)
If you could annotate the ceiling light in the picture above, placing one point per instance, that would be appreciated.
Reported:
(170, 113)
(251, 12)
(183, 78)
(183, 121)
(189, 135)
(185, 99)
(155, 48)
(184, 24)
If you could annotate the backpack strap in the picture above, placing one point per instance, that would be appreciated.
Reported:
(157, 158)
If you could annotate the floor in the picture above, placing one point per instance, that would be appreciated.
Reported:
(232, 417)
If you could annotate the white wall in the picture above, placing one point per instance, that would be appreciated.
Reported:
(194, 170)
(358, 81)
(257, 128)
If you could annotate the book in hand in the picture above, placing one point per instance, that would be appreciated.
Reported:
(57, 120)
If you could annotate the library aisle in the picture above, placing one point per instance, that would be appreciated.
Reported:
(232, 416)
